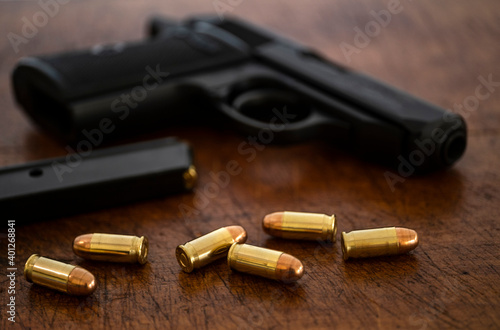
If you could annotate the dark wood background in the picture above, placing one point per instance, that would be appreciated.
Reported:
(435, 50)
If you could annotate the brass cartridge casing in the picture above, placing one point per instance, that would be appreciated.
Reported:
(110, 247)
(59, 276)
(263, 262)
(300, 225)
(207, 248)
(190, 177)
(378, 242)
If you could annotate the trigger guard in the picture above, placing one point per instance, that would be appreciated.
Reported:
(282, 132)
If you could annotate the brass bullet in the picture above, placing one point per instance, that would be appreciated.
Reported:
(299, 225)
(190, 177)
(263, 262)
(59, 276)
(207, 248)
(110, 247)
(378, 242)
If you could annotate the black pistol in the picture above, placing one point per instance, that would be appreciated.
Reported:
(229, 72)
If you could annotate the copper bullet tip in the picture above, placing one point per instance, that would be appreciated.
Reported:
(81, 282)
(408, 239)
(81, 245)
(289, 268)
(272, 224)
(238, 233)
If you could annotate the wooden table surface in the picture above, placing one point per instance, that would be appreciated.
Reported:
(435, 50)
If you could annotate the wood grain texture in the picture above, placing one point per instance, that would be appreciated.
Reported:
(436, 50)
